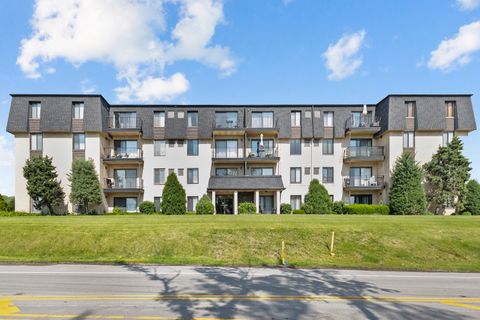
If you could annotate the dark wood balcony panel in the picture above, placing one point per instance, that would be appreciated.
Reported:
(77, 125)
(34, 125)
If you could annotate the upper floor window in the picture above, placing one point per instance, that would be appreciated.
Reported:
(159, 175)
(35, 110)
(327, 175)
(295, 147)
(262, 149)
(328, 119)
(192, 118)
(226, 119)
(159, 148)
(159, 119)
(327, 147)
(450, 108)
(296, 118)
(410, 109)
(226, 149)
(36, 142)
(79, 141)
(262, 171)
(361, 120)
(192, 175)
(78, 110)
(125, 120)
(262, 119)
(223, 172)
(296, 175)
(192, 147)
(447, 137)
(409, 140)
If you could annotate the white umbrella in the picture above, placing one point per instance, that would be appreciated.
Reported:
(261, 139)
(365, 111)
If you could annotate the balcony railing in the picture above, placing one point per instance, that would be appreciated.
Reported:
(226, 153)
(226, 124)
(364, 182)
(124, 122)
(363, 122)
(124, 183)
(364, 153)
(264, 154)
(122, 154)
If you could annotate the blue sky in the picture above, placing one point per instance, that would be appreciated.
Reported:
(238, 51)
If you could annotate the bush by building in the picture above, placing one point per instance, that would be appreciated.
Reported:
(204, 206)
(367, 209)
(285, 208)
(147, 207)
(173, 196)
(298, 211)
(247, 208)
(317, 199)
(338, 207)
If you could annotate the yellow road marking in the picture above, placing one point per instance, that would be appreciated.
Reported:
(461, 305)
(75, 316)
(7, 307)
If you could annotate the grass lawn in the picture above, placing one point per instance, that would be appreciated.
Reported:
(371, 242)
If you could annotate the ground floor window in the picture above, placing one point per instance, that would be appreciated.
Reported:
(191, 203)
(361, 199)
(296, 202)
(125, 204)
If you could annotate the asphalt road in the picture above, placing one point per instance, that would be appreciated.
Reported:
(168, 292)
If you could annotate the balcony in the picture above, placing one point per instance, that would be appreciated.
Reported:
(363, 183)
(124, 126)
(363, 154)
(266, 155)
(244, 183)
(227, 155)
(264, 127)
(227, 127)
(124, 185)
(123, 156)
(362, 125)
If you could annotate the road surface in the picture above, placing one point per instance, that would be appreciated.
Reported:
(170, 292)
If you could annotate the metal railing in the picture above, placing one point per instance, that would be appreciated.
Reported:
(124, 122)
(362, 122)
(226, 153)
(124, 183)
(226, 124)
(364, 181)
(264, 154)
(364, 152)
(123, 153)
(264, 124)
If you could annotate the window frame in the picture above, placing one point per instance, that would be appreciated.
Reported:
(263, 119)
(409, 140)
(326, 176)
(159, 170)
(296, 119)
(81, 106)
(450, 108)
(190, 121)
(190, 176)
(411, 109)
(328, 119)
(159, 119)
(293, 199)
(194, 204)
(296, 150)
(78, 142)
(325, 147)
(447, 137)
(38, 110)
(159, 143)
(297, 174)
(192, 148)
(37, 137)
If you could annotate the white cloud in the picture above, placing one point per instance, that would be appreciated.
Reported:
(131, 35)
(456, 51)
(87, 87)
(6, 150)
(466, 5)
(342, 59)
(287, 2)
(50, 70)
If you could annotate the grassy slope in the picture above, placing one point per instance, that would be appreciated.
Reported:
(381, 242)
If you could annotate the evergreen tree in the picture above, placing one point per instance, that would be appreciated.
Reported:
(42, 184)
(85, 185)
(472, 198)
(446, 176)
(317, 200)
(204, 206)
(173, 196)
(3, 204)
(407, 195)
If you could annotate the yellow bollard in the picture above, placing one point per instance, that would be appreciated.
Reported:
(282, 253)
(331, 244)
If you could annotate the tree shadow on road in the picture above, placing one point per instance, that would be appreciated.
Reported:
(247, 282)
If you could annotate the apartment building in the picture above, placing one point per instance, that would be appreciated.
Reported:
(265, 154)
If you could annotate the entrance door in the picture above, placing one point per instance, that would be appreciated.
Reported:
(266, 204)
(224, 204)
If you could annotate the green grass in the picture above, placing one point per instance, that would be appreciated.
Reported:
(371, 242)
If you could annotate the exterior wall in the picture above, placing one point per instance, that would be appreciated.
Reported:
(22, 153)
(427, 144)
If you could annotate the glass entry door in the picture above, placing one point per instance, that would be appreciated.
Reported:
(360, 176)
(266, 204)
(126, 178)
(360, 147)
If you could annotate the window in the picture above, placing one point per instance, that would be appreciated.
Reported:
(360, 120)
(78, 110)
(192, 203)
(35, 110)
(125, 204)
(126, 179)
(158, 203)
(316, 171)
(409, 140)
(192, 118)
(450, 108)
(159, 148)
(296, 202)
(296, 175)
(226, 119)
(361, 177)
(327, 146)
(226, 149)
(308, 114)
(410, 109)
(317, 114)
(307, 171)
(295, 147)
(180, 143)
(180, 114)
(447, 137)
(159, 119)
(126, 149)
(327, 175)
(159, 175)
(262, 119)
(316, 142)
(307, 142)
(262, 171)
(125, 120)
(192, 175)
(36, 142)
(180, 172)
(328, 119)
(171, 143)
(78, 141)
(171, 114)
(192, 147)
(295, 118)
(170, 171)
(361, 199)
(224, 172)
(268, 149)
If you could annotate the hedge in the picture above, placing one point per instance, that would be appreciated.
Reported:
(298, 211)
(147, 207)
(285, 208)
(247, 208)
(19, 214)
(366, 209)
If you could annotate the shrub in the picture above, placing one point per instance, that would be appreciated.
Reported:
(338, 207)
(466, 213)
(117, 210)
(173, 196)
(317, 200)
(472, 198)
(407, 195)
(18, 214)
(285, 208)
(298, 211)
(247, 208)
(3, 204)
(204, 206)
(366, 209)
(147, 207)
